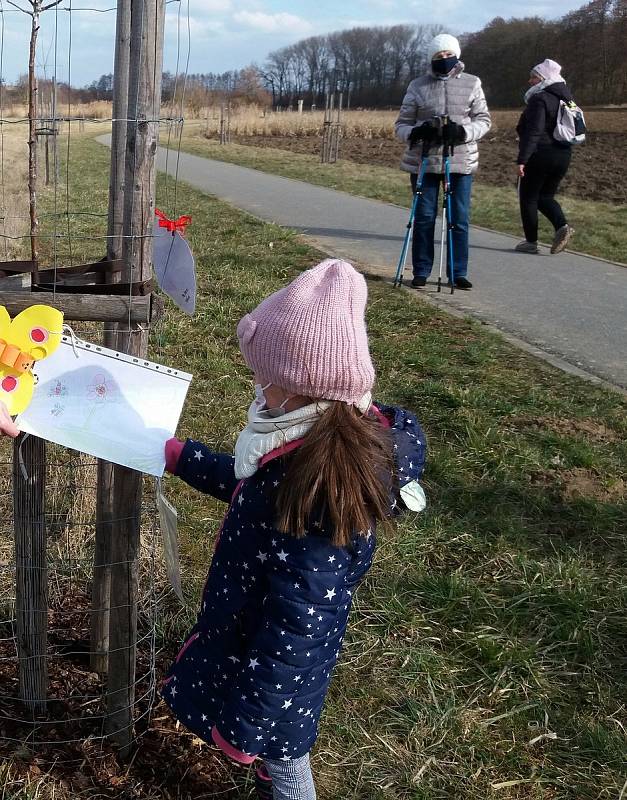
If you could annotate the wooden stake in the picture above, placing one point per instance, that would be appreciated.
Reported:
(32, 135)
(144, 101)
(101, 586)
(29, 468)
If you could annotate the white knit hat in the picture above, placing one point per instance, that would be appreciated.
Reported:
(444, 41)
(548, 70)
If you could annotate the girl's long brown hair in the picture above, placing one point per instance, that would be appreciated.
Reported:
(339, 476)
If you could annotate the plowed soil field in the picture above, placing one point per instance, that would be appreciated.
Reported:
(598, 169)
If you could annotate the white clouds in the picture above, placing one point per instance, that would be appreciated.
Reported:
(273, 23)
(210, 6)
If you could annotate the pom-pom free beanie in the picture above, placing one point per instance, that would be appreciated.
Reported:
(443, 42)
(310, 337)
(548, 70)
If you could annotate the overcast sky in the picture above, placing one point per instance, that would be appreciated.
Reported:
(229, 34)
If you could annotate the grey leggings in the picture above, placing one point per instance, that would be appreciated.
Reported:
(291, 780)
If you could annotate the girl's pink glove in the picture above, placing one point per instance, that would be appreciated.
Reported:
(173, 449)
(232, 752)
(7, 426)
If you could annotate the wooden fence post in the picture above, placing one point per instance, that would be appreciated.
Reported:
(29, 479)
(144, 109)
(101, 586)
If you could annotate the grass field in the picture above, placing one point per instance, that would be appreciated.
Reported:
(483, 660)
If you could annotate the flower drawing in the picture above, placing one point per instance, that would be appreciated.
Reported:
(99, 389)
(58, 390)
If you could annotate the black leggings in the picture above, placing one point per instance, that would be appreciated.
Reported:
(543, 173)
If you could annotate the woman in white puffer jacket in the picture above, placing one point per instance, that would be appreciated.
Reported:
(444, 90)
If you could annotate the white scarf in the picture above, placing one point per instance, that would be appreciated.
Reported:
(539, 87)
(264, 433)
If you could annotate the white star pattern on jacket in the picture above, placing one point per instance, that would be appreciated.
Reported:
(274, 611)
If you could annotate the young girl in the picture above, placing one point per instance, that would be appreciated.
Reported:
(317, 466)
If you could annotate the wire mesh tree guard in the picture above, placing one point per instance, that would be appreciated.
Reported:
(80, 576)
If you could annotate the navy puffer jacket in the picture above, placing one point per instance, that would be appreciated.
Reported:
(257, 664)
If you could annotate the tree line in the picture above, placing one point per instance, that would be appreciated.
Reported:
(372, 66)
(590, 44)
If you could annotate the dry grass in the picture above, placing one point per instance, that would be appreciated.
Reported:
(13, 189)
(254, 121)
(98, 109)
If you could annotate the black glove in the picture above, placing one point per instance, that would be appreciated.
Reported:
(453, 133)
(425, 133)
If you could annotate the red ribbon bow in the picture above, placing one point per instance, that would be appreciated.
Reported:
(173, 225)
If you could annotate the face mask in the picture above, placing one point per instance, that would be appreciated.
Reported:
(261, 402)
(442, 66)
(279, 411)
(260, 398)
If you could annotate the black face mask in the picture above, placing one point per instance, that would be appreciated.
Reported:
(442, 66)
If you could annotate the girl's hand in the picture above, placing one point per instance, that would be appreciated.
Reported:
(520, 169)
(173, 449)
(7, 426)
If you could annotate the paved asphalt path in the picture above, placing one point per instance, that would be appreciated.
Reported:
(570, 306)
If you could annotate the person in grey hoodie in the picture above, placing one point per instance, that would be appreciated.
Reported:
(445, 89)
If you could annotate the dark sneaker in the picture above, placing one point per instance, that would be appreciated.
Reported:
(527, 247)
(263, 784)
(562, 236)
(461, 283)
(418, 282)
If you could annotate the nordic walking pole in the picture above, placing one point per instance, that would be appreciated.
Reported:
(449, 226)
(442, 231)
(442, 121)
(402, 261)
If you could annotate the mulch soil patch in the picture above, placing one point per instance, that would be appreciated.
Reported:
(64, 744)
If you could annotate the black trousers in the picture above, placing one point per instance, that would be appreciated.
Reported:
(543, 173)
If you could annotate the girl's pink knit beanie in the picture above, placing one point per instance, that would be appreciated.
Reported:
(310, 337)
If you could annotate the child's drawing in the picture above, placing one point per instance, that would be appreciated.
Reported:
(100, 389)
(58, 390)
(107, 404)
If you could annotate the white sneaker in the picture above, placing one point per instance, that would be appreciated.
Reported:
(562, 236)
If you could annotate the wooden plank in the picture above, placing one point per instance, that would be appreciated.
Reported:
(83, 307)
(12, 267)
(29, 468)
